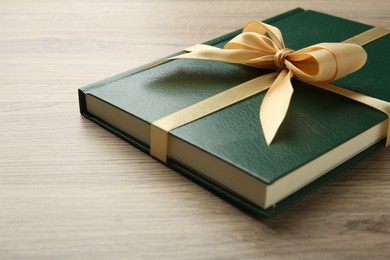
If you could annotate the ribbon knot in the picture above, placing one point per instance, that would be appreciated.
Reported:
(261, 45)
(280, 57)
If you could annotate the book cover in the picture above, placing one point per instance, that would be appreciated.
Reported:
(322, 135)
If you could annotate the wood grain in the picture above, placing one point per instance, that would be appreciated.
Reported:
(69, 189)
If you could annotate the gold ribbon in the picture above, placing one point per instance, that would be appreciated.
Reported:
(317, 65)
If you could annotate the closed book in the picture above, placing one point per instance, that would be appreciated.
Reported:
(322, 135)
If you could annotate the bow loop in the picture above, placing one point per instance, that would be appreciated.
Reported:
(263, 28)
(252, 41)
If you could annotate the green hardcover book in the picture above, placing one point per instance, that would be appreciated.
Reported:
(322, 135)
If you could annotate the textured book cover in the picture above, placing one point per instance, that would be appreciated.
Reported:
(226, 151)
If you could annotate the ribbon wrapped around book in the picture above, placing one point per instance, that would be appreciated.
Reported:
(317, 65)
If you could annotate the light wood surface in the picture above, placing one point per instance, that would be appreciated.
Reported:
(69, 189)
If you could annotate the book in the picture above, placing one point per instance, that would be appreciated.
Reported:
(322, 135)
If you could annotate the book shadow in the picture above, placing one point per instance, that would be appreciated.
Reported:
(201, 77)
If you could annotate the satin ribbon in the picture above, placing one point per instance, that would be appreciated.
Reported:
(161, 127)
(316, 64)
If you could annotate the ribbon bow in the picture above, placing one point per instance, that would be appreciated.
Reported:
(318, 64)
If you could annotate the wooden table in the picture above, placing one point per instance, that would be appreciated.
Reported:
(69, 189)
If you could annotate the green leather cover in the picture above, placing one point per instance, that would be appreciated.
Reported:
(317, 120)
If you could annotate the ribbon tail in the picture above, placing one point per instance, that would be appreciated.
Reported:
(275, 105)
(247, 57)
(206, 52)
